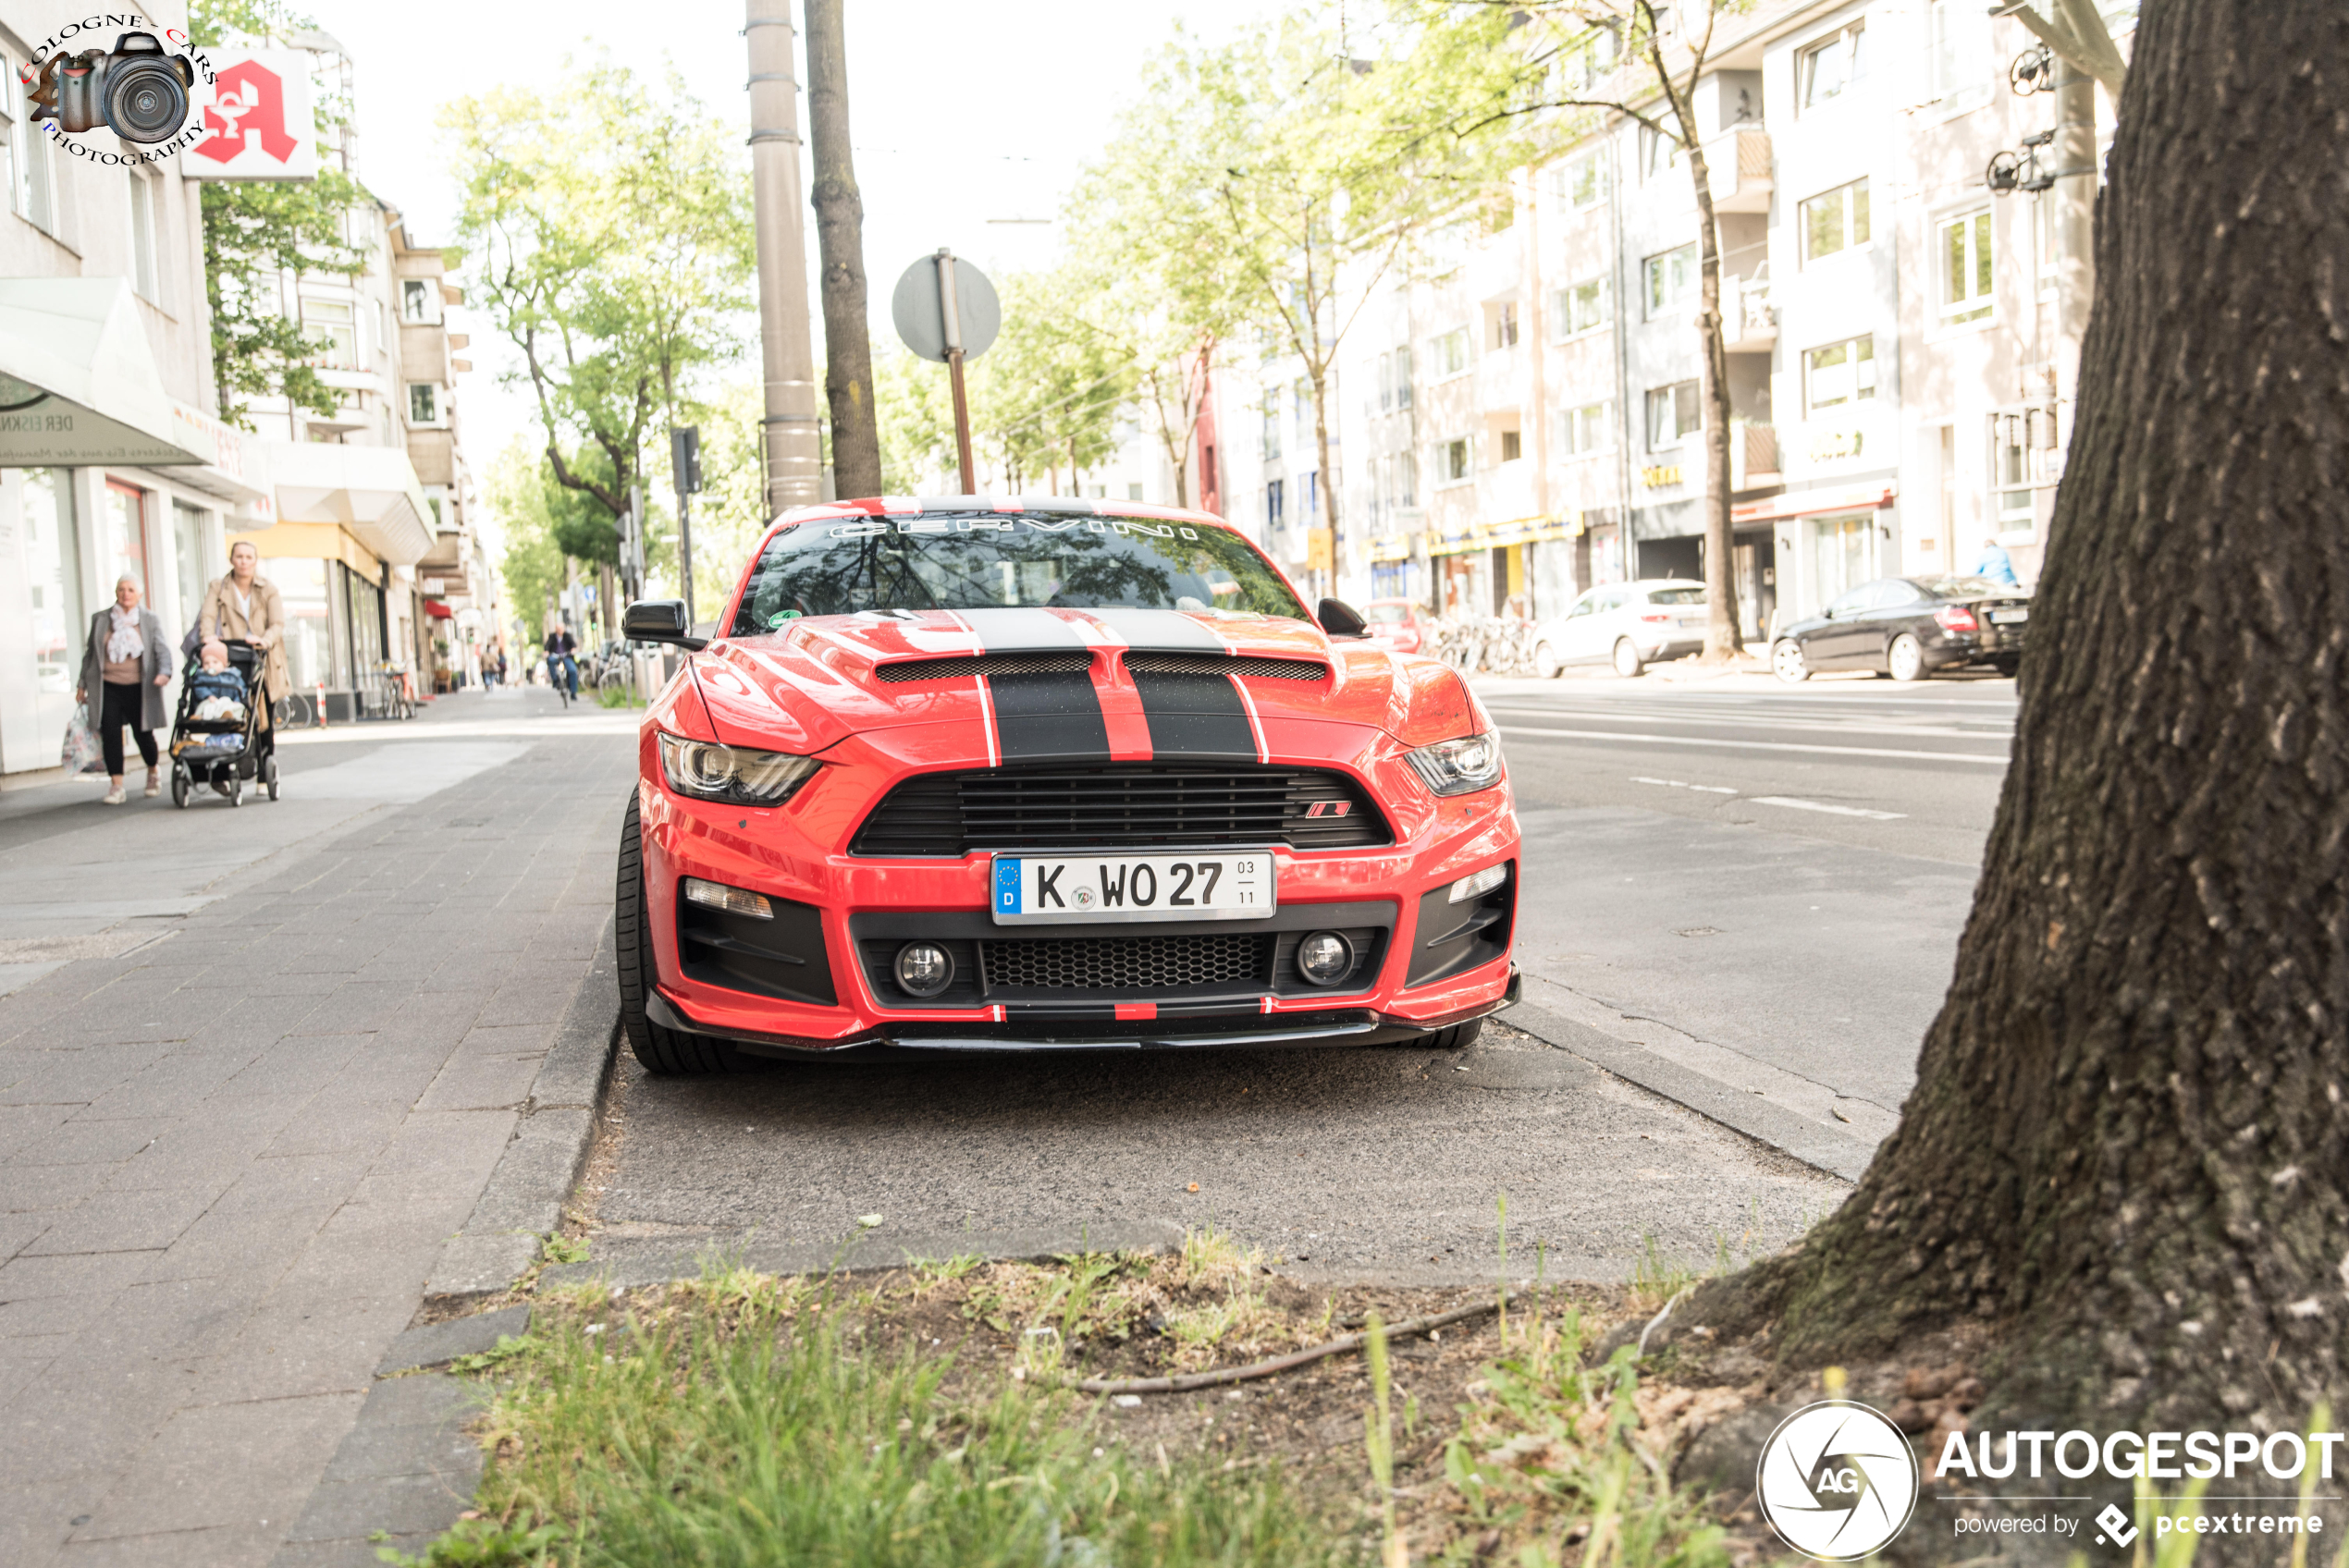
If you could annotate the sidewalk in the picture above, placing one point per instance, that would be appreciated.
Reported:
(228, 1158)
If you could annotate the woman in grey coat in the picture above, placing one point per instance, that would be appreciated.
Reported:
(128, 664)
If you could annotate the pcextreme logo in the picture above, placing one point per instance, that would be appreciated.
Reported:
(1836, 1481)
(139, 89)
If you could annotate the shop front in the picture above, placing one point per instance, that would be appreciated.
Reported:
(1820, 544)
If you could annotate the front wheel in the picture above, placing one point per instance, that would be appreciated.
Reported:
(180, 787)
(661, 1051)
(1788, 662)
(1905, 659)
(269, 775)
(1545, 661)
(1628, 662)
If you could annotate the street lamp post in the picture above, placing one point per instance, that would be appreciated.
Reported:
(794, 451)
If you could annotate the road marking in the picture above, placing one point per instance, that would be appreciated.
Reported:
(1749, 720)
(1756, 745)
(1682, 784)
(1822, 805)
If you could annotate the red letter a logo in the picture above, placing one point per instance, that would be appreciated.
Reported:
(252, 103)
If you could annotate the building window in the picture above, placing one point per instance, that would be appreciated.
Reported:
(1672, 413)
(330, 322)
(1834, 221)
(1452, 463)
(1272, 423)
(1580, 307)
(416, 300)
(1452, 353)
(53, 561)
(1394, 380)
(1965, 267)
(1407, 480)
(1585, 61)
(1671, 281)
(1957, 46)
(423, 403)
(1825, 72)
(1502, 322)
(1839, 374)
(1580, 184)
(1588, 428)
(1659, 153)
(24, 159)
(142, 234)
(1133, 492)
(2011, 467)
(1274, 500)
(1512, 445)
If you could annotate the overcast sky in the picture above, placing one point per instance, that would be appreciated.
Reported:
(966, 116)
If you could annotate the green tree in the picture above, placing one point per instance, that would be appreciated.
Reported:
(606, 229)
(1047, 395)
(915, 413)
(252, 232)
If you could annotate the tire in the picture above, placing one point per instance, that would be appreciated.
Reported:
(1628, 662)
(269, 775)
(1905, 659)
(2011, 668)
(1456, 1038)
(236, 788)
(1788, 662)
(1546, 662)
(180, 787)
(663, 1051)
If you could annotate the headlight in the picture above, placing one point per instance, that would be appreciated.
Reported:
(733, 774)
(1454, 767)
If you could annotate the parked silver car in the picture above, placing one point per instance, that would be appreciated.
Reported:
(1629, 625)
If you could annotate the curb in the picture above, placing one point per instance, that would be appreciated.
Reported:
(523, 1201)
(1782, 1130)
(628, 1263)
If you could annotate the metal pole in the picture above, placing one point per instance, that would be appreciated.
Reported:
(685, 549)
(794, 459)
(953, 322)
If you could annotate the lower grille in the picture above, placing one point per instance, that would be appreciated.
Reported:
(1138, 807)
(1118, 964)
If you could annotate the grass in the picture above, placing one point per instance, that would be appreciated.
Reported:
(745, 1422)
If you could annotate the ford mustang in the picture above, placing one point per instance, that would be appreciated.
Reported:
(956, 774)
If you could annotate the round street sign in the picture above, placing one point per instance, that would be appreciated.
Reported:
(921, 320)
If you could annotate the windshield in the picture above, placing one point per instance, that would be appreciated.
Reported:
(982, 560)
(1675, 596)
(1387, 615)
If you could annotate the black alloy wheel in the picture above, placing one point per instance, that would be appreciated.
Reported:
(663, 1051)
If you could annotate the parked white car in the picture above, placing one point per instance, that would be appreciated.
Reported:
(1629, 625)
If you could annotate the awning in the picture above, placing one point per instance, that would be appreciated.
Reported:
(436, 609)
(1809, 502)
(78, 384)
(371, 491)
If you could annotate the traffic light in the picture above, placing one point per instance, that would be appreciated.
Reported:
(684, 459)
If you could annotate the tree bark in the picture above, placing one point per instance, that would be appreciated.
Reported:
(839, 244)
(2127, 1147)
(1722, 640)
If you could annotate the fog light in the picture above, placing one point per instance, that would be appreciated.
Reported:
(924, 969)
(1325, 958)
(734, 901)
(1484, 881)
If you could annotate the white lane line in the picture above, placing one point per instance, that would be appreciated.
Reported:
(1683, 784)
(1756, 745)
(1822, 805)
(1754, 721)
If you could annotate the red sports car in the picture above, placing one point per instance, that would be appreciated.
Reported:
(1051, 775)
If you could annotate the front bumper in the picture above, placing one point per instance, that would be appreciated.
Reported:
(816, 978)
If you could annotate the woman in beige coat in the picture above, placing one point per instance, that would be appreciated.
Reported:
(245, 606)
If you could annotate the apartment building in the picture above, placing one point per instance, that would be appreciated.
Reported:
(1523, 407)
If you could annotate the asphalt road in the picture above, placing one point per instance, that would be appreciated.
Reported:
(1742, 897)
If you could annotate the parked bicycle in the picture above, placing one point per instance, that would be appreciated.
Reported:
(299, 710)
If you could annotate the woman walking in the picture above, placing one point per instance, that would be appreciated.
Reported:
(128, 664)
(245, 606)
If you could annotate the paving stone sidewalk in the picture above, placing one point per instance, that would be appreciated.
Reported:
(229, 1159)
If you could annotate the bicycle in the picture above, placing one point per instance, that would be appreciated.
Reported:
(561, 671)
(399, 691)
(298, 710)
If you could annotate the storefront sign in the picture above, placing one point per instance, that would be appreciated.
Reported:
(1658, 478)
(1391, 547)
(259, 124)
(1806, 503)
(1831, 445)
(1498, 535)
(43, 431)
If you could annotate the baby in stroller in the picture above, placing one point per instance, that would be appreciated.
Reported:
(216, 691)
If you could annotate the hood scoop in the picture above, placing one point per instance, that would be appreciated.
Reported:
(1137, 662)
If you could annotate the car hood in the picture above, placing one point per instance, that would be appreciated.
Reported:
(810, 684)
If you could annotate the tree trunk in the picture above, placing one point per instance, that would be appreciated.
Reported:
(839, 244)
(2127, 1147)
(1721, 635)
(1320, 369)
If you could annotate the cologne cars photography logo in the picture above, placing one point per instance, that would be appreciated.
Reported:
(1836, 1481)
(117, 73)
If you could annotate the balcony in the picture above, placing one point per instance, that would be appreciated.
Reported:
(1736, 164)
(1749, 323)
(1754, 456)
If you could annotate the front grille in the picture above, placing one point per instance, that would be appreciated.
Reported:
(1226, 664)
(1124, 964)
(963, 667)
(1131, 807)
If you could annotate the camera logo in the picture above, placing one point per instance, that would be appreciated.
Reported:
(139, 90)
(1836, 1481)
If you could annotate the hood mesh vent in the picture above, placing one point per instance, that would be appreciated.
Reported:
(963, 667)
(1225, 663)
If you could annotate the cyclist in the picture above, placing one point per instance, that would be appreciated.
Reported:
(562, 664)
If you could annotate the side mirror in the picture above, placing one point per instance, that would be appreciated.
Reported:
(1342, 619)
(661, 620)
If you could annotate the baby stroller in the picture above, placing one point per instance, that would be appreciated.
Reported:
(228, 748)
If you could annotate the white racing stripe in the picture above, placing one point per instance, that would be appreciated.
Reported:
(1821, 805)
(1754, 745)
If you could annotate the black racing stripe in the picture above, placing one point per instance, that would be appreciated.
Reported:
(1049, 716)
(1195, 716)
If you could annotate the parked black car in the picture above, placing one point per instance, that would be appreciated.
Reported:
(1909, 627)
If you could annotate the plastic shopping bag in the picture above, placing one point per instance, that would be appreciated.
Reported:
(83, 753)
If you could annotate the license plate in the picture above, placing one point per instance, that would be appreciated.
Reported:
(1087, 889)
(2008, 618)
